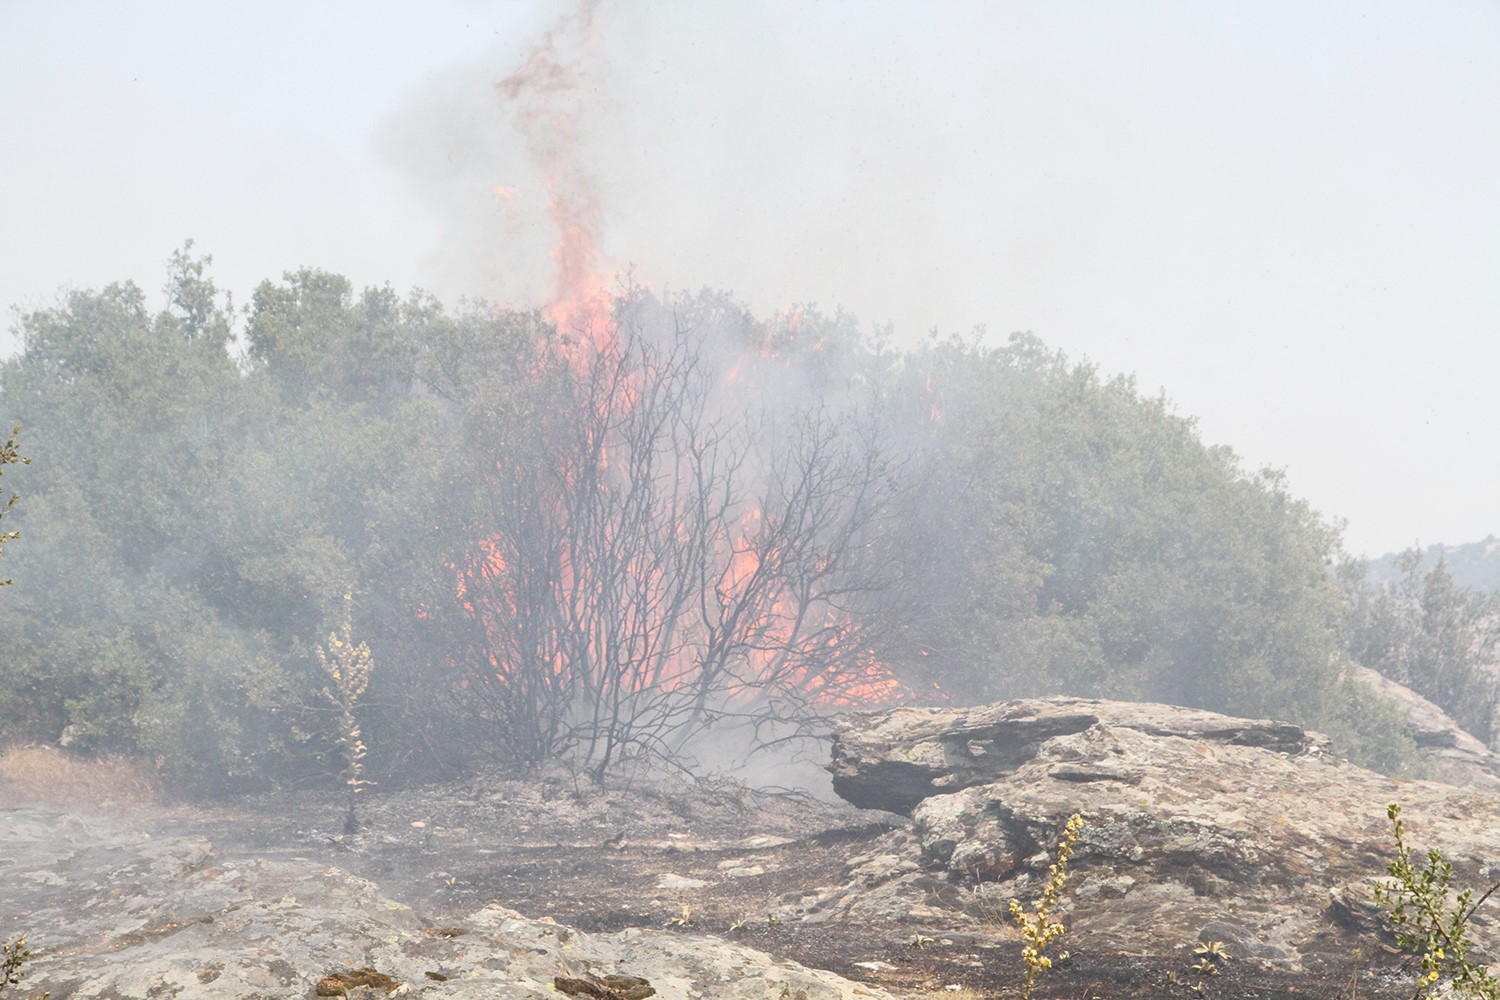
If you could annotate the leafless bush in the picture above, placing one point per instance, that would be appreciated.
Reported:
(650, 562)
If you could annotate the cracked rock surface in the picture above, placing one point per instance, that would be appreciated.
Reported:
(1199, 827)
(116, 912)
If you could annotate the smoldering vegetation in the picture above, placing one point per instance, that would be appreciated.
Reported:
(614, 542)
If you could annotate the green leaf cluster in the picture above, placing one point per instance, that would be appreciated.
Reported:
(1069, 534)
(197, 514)
(13, 958)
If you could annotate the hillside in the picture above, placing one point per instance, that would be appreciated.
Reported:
(1475, 565)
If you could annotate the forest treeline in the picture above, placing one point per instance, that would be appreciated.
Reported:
(607, 543)
(1474, 565)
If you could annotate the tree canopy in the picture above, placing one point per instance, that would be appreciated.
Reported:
(552, 549)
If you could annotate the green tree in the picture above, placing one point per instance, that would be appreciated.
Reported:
(1371, 730)
(1074, 536)
(313, 339)
(193, 303)
(1424, 631)
(115, 639)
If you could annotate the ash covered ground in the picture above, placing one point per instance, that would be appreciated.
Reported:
(706, 857)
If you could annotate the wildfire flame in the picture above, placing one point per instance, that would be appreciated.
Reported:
(505, 197)
(546, 95)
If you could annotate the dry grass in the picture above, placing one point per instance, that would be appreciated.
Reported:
(49, 776)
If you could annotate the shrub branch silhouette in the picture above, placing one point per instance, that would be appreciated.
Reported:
(13, 954)
(1428, 923)
(10, 455)
(13, 958)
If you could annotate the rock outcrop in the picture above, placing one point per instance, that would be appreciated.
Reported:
(115, 913)
(1449, 751)
(1199, 826)
(894, 760)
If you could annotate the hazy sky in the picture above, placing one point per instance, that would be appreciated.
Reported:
(1285, 216)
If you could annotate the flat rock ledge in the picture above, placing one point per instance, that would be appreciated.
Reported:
(115, 913)
(1199, 827)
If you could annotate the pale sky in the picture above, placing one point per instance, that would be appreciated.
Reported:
(1285, 216)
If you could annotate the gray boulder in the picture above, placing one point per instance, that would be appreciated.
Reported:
(895, 759)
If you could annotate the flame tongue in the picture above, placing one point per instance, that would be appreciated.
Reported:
(580, 304)
(547, 94)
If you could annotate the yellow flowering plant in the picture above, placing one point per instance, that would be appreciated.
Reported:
(1039, 929)
(1427, 923)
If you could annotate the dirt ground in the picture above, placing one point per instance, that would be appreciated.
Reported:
(701, 857)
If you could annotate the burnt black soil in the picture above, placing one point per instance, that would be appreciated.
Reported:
(696, 857)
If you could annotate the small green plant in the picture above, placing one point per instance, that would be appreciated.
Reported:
(1175, 978)
(348, 668)
(1209, 955)
(1430, 924)
(1039, 930)
(13, 958)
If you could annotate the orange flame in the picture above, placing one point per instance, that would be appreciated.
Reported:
(547, 93)
(505, 197)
